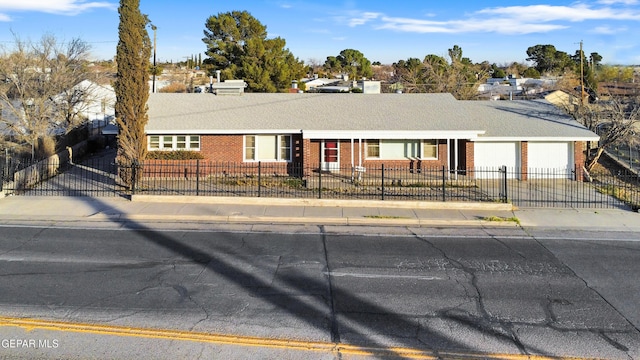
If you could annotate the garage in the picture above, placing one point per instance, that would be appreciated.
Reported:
(550, 159)
(491, 156)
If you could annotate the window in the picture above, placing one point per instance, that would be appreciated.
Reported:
(267, 148)
(400, 149)
(285, 147)
(391, 149)
(154, 142)
(166, 142)
(430, 149)
(373, 148)
(250, 147)
(181, 142)
(174, 142)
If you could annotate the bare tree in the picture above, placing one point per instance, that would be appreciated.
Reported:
(615, 119)
(37, 93)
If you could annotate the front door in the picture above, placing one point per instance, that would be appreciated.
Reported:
(330, 155)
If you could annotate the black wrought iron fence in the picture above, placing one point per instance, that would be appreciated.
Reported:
(530, 188)
(296, 181)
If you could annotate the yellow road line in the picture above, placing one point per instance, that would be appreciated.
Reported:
(314, 346)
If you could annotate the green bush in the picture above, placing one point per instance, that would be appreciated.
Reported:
(174, 155)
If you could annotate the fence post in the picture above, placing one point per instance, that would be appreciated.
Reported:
(134, 169)
(504, 184)
(197, 177)
(444, 184)
(259, 176)
(382, 182)
(320, 182)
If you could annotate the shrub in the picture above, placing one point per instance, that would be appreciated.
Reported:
(174, 155)
(174, 88)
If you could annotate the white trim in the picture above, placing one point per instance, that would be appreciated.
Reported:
(174, 142)
(224, 132)
(390, 134)
(535, 139)
(421, 146)
(278, 138)
(329, 166)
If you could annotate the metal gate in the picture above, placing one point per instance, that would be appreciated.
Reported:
(93, 176)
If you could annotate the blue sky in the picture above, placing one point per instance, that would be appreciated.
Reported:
(386, 31)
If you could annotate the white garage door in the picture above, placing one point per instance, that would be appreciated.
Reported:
(550, 159)
(490, 156)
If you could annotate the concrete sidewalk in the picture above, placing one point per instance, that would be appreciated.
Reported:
(304, 211)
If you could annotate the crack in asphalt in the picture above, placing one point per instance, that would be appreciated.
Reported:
(335, 331)
(486, 323)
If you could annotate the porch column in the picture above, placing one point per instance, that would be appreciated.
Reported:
(360, 152)
(455, 156)
(352, 155)
(448, 158)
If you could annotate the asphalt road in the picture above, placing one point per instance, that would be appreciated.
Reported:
(316, 292)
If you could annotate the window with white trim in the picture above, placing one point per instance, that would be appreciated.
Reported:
(430, 149)
(373, 149)
(267, 147)
(392, 149)
(174, 142)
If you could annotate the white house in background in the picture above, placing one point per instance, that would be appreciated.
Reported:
(98, 109)
(315, 82)
(100, 105)
(495, 87)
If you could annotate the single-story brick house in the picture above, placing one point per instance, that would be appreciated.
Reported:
(359, 130)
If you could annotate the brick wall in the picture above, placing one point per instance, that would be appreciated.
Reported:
(579, 159)
(524, 160)
(223, 148)
(469, 155)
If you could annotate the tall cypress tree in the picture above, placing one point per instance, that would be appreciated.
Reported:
(132, 83)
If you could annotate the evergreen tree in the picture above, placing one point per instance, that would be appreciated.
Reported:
(237, 44)
(132, 83)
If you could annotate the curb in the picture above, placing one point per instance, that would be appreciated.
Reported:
(409, 204)
(239, 219)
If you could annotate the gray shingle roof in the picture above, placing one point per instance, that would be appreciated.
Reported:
(253, 113)
(525, 119)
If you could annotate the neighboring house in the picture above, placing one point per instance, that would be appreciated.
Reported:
(332, 131)
(494, 88)
(311, 84)
(97, 109)
(99, 106)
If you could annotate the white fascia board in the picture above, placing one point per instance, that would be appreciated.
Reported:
(537, 139)
(222, 132)
(385, 134)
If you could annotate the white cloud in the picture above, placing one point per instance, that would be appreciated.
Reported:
(607, 30)
(65, 7)
(547, 13)
(505, 26)
(614, 2)
(507, 20)
(363, 18)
